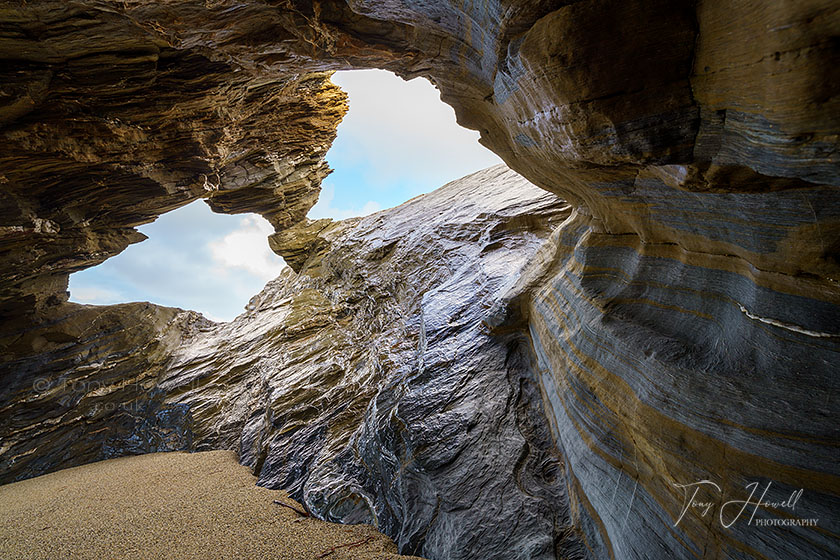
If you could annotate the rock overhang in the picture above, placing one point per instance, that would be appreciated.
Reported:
(696, 141)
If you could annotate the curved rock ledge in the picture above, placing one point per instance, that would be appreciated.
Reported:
(683, 325)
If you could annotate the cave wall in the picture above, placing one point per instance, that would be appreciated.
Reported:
(684, 323)
(81, 386)
(659, 372)
(107, 123)
(368, 385)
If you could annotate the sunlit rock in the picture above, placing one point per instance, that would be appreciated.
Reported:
(683, 323)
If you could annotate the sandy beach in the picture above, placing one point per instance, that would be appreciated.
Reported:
(168, 505)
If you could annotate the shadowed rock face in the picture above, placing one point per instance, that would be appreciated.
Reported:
(107, 123)
(683, 323)
(80, 386)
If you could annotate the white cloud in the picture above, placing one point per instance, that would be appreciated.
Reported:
(324, 208)
(247, 248)
(193, 259)
(216, 318)
(406, 130)
(95, 295)
(397, 141)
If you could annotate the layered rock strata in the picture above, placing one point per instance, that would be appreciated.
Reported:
(661, 368)
(107, 123)
(368, 384)
(684, 322)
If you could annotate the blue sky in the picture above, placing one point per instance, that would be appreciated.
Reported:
(398, 141)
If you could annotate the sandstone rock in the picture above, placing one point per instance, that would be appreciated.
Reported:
(696, 141)
(298, 244)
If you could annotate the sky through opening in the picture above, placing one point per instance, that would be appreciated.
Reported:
(398, 141)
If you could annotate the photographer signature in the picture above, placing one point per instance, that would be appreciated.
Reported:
(733, 509)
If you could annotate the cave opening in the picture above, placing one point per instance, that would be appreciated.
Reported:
(398, 140)
(192, 258)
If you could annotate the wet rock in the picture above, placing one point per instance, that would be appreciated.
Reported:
(696, 142)
(369, 386)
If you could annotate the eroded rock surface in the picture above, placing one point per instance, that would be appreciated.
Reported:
(369, 384)
(685, 322)
(80, 387)
(108, 123)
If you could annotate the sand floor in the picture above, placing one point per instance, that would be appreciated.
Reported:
(167, 505)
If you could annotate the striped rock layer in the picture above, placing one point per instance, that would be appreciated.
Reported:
(681, 327)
